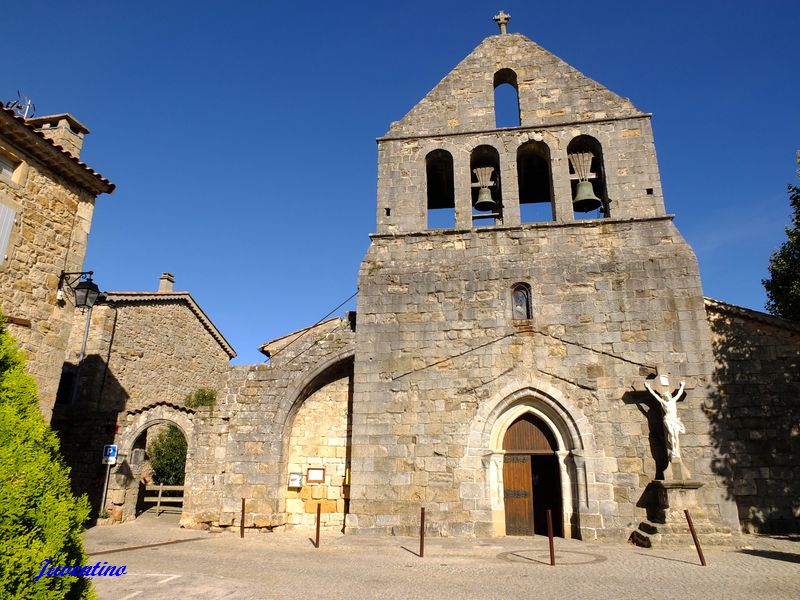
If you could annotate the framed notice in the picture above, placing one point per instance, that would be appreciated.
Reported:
(315, 475)
(295, 480)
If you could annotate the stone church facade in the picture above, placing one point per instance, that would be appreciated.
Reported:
(495, 368)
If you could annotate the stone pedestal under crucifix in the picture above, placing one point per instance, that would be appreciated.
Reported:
(677, 491)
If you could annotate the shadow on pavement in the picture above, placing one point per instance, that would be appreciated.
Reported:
(774, 555)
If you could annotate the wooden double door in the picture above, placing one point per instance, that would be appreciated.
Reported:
(531, 478)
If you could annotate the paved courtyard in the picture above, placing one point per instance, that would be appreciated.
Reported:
(196, 564)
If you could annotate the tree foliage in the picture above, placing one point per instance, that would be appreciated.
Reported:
(783, 285)
(168, 456)
(39, 516)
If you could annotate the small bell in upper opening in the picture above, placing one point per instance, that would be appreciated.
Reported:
(485, 201)
(585, 200)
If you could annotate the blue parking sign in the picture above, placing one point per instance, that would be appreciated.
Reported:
(109, 450)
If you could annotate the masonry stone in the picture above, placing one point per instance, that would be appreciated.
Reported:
(46, 206)
(495, 367)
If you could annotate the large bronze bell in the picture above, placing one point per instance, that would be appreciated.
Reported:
(485, 201)
(585, 200)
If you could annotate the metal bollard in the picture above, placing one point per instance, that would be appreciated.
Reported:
(422, 532)
(241, 525)
(319, 512)
(550, 535)
(694, 537)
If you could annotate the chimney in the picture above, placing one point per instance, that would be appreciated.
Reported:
(166, 282)
(64, 130)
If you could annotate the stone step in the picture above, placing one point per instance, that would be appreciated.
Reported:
(649, 534)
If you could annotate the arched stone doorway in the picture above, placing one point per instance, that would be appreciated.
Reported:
(155, 458)
(531, 478)
(550, 426)
(124, 485)
(317, 446)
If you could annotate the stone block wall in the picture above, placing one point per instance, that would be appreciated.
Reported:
(53, 217)
(139, 354)
(244, 447)
(155, 350)
(557, 104)
(320, 439)
(631, 172)
(439, 360)
(550, 92)
(755, 415)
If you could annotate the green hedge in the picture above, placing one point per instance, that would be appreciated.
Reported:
(39, 516)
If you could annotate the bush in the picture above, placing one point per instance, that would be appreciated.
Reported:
(201, 397)
(39, 516)
(168, 456)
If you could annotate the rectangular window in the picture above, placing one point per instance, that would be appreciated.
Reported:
(7, 217)
(7, 166)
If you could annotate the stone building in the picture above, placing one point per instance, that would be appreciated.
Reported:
(47, 198)
(146, 351)
(496, 366)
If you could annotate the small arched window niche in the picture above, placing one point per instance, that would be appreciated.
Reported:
(521, 307)
(506, 99)
(587, 175)
(535, 182)
(441, 190)
(487, 192)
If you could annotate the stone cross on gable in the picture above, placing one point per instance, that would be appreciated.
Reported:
(502, 20)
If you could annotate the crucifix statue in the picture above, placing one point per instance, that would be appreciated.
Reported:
(669, 406)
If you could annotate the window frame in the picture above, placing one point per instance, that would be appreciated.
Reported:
(526, 290)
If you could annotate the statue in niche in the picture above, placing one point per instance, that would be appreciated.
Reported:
(669, 406)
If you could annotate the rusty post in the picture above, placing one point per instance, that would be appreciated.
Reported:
(694, 537)
(422, 532)
(241, 525)
(550, 535)
(319, 512)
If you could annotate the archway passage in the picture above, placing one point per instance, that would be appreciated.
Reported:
(531, 478)
(157, 457)
(318, 451)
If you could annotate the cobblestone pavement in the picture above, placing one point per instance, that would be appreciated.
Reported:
(286, 565)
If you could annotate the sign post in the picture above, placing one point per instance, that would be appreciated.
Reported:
(109, 458)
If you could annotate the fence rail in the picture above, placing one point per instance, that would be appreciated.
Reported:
(160, 498)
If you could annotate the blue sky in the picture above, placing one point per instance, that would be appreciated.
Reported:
(241, 135)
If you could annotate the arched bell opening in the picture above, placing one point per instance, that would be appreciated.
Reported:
(441, 190)
(487, 193)
(587, 177)
(535, 182)
(531, 478)
(506, 99)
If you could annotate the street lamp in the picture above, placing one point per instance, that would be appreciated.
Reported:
(86, 293)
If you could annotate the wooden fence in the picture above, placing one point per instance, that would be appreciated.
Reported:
(160, 498)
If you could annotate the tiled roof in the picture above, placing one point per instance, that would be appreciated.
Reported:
(749, 313)
(51, 154)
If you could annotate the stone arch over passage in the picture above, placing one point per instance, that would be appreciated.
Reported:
(316, 448)
(532, 439)
(125, 485)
